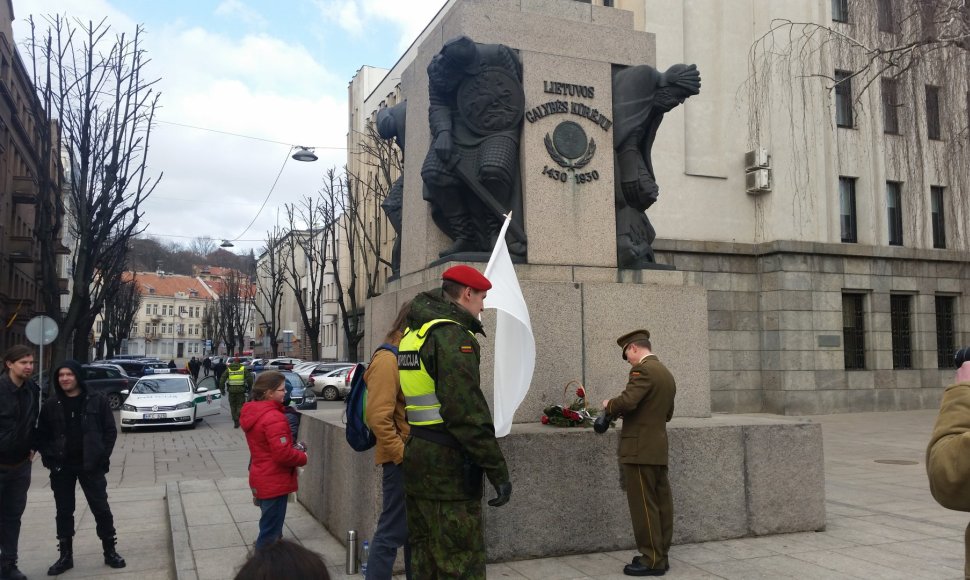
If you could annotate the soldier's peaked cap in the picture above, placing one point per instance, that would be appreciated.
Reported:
(467, 276)
(625, 340)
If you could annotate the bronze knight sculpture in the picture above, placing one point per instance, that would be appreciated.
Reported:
(641, 97)
(471, 172)
(391, 122)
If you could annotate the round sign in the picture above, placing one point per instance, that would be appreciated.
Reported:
(570, 140)
(41, 330)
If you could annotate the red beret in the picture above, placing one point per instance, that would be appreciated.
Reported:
(467, 276)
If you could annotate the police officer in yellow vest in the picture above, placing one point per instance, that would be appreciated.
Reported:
(646, 405)
(452, 440)
(237, 382)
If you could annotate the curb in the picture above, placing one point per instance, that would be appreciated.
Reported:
(181, 551)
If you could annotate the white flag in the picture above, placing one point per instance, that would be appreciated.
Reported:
(515, 345)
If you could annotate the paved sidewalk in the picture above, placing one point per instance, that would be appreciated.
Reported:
(881, 522)
(183, 510)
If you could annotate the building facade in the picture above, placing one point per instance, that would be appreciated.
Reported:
(169, 322)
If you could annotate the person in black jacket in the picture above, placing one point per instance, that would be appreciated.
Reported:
(75, 438)
(19, 404)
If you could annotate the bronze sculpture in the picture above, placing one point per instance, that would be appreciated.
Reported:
(641, 97)
(391, 123)
(471, 172)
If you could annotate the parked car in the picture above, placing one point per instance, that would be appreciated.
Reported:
(168, 399)
(313, 369)
(303, 397)
(140, 368)
(98, 378)
(334, 384)
(283, 361)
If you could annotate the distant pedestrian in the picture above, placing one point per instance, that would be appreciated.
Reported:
(386, 419)
(219, 369)
(274, 458)
(194, 367)
(646, 405)
(172, 366)
(284, 559)
(75, 438)
(207, 366)
(948, 454)
(19, 406)
(237, 381)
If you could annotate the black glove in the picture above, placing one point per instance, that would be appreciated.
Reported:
(503, 492)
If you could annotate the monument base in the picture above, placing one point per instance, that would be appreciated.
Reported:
(731, 476)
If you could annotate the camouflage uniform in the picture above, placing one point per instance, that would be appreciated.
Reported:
(443, 486)
(237, 396)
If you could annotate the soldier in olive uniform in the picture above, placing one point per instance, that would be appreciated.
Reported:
(237, 381)
(452, 440)
(948, 455)
(646, 405)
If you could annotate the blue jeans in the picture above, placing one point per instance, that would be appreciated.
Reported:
(392, 528)
(271, 521)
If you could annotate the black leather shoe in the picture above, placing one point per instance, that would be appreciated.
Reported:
(9, 571)
(636, 560)
(638, 569)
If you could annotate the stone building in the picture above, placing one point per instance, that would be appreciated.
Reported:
(169, 322)
(21, 170)
(824, 214)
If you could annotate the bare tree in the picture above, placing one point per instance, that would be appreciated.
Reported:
(202, 246)
(307, 249)
(213, 324)
(270, 279)
(120, 308)
(888, 55)
(91, 82)
(235, 306)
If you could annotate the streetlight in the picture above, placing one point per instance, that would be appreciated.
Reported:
(304, 153)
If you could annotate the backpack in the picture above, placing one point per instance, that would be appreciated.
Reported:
(359, 435)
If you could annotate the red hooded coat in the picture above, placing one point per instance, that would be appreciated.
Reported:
(272, 472)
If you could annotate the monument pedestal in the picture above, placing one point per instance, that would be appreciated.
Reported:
(731, 476)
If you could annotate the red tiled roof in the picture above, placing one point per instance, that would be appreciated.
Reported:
(167, 284)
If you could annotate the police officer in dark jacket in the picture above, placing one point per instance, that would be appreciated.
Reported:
(19, 404)
(75, 438)
(452, 442)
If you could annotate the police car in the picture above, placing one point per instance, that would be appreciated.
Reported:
(169, 399)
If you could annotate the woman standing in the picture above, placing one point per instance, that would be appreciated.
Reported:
(272, 471)
(75, 438)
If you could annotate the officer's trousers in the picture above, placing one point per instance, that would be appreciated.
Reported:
(651, 510)
(447, 539)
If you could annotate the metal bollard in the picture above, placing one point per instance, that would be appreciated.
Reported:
(352, 551)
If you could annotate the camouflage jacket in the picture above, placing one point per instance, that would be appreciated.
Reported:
(451, 355)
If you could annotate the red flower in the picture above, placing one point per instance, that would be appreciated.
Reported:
(544, 420)
(581, 393)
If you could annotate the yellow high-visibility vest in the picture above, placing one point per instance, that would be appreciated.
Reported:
(421, 402)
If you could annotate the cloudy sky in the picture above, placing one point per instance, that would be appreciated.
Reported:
(265, 71)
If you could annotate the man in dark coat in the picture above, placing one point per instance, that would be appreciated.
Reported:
(646, 405)
(75, 438)
(452, 439)
(207, 366)
(194, 367)
(19, 404)
(219, 369)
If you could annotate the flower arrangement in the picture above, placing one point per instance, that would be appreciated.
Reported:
(575, 414)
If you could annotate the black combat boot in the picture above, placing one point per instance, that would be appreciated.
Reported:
(66, 561)
(111, 556)
(9, 571)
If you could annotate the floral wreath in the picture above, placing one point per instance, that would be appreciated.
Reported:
(575, 414)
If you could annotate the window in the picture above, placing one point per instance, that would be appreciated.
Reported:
(894, 203)
(901, 322)
(945, 343)
(853, 331)
(843, 99)
(840, 10)
(937, 217)
(847, 209)
(933, 112)
(884, 13)
(890, 106)
(148, 309)
(100, 326)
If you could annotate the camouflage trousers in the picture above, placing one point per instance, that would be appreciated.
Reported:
(447, 539)
(236, 401)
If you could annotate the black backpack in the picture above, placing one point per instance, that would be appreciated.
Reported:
(359, 435)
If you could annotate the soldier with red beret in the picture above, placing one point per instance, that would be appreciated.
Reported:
(452, 441)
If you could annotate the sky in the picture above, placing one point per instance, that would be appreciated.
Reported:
(241, 83)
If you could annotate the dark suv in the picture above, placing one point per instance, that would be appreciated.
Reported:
(139, 368)
(107, 381)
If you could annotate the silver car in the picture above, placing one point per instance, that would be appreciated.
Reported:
(333, 384)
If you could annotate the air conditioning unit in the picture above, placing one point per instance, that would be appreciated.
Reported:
(757, 159)
(758, 181)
